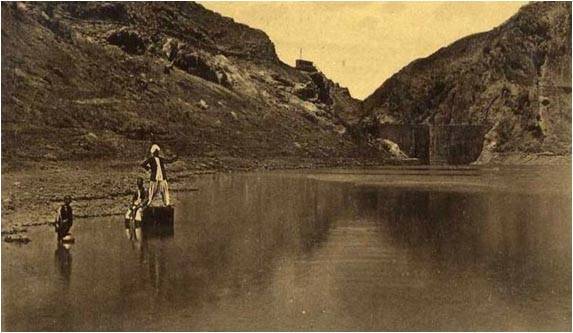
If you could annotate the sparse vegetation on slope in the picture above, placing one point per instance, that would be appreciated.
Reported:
(515, 80)
(103, 80)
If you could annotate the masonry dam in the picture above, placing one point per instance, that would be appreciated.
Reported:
(437, 144)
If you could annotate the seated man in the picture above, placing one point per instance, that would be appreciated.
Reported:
(64, 219)
(158, 176)
(135, 210)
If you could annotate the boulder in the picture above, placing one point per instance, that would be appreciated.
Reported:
(17, 239)
(50, 157)
(202, 104)
(170, 48)
(201, 65)
(392, 148)
(8, 204)
(128, 40)
(305, 91)
(323, 87)
(282, 81)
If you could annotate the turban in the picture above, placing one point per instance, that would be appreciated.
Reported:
(154, 148)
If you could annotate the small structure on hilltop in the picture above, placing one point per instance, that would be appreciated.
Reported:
(305, 66)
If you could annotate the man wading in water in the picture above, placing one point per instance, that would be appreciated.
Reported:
(64, 219)
(157, 178)
(135, 212)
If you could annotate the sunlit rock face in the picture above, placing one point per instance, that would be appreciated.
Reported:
(515, 80)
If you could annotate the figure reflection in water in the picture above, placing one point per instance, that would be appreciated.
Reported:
(64, 261)
(152, 256)
(133, 231)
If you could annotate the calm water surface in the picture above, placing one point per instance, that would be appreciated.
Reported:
(415, 249)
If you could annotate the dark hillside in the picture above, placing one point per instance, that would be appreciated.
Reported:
(103, 80)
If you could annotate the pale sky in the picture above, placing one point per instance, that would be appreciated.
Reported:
(361, 44)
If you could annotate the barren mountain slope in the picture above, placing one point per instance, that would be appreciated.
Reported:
(515, 80)
(103, 80)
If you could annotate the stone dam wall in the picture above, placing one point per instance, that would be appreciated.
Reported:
(437, 144)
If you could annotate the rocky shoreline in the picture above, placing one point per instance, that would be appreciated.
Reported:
(32, 191)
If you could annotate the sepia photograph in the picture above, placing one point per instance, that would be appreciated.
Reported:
(286, 166)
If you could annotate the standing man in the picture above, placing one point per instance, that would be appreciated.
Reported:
(157, 178)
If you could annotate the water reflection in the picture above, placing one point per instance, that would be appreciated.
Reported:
(133, 232)
(153, 257)
(147, 243)
(284, 252)
(490, 245)
(517, 238)
(64, 261)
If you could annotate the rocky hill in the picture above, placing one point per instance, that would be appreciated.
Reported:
(103, 80)
(515, 80)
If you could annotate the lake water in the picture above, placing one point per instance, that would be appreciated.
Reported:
(390, 249)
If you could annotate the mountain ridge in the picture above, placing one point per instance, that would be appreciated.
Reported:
(503, 79)
(105, 79)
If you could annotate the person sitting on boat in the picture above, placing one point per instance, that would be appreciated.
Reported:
(158, 176)
(64, 219)
(135, 210)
